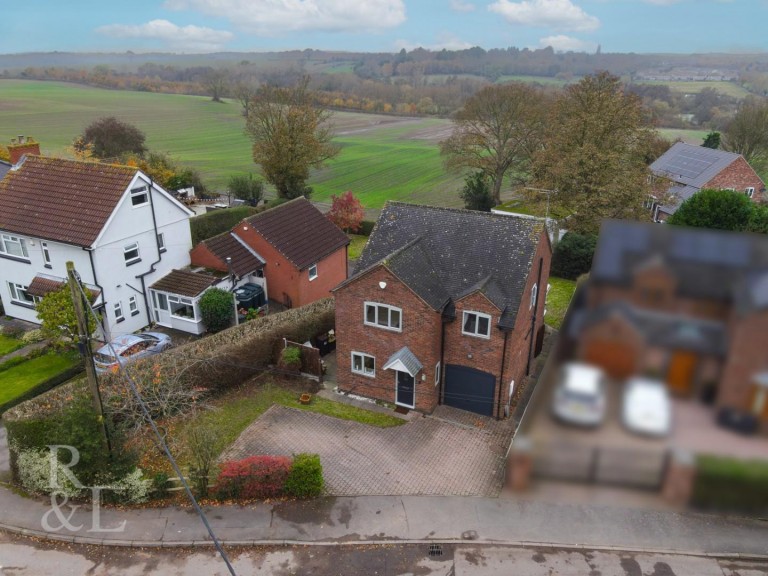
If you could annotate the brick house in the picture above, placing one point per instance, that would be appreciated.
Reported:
(685, 169)
(444, 309)
(687, 305)
(300, 253)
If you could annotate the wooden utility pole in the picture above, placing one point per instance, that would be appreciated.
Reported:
(84, 346)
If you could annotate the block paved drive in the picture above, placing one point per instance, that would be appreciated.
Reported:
(424, 456)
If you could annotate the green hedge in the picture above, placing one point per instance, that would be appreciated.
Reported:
(305, 479)
(213, 223)
(366, 227)
(731, 485)
(572, 255)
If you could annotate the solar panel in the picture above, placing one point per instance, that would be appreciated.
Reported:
(689, 165)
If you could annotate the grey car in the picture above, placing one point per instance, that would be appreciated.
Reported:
(129, 347)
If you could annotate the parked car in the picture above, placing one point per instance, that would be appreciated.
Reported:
(580, 395)
(647, 408)
(129, 347)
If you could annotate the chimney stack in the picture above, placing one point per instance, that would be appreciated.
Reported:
(20, 146)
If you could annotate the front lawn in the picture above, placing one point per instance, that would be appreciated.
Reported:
(22, 377)
(8, 344)
(356, 245)
(235, 410)
(557, 301)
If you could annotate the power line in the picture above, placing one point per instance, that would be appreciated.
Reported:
(123, 371)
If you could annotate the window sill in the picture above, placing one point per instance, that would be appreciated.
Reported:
(132, 262)
(16, 258)
(383, 327)
(482, 336)
(50, 267)
(121, 319)
(163, 250)
(136, 313)
(23, 304)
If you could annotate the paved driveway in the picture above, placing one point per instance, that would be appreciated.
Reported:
(428, 455)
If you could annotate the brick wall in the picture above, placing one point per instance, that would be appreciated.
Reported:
(746, 357)
(421, 327)
(201, 255)
(739, 175)
(331, 271)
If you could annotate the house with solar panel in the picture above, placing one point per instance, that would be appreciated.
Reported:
(685, 305)
(122, 231)
(685, 169)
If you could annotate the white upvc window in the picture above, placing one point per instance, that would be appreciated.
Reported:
(750, 191)
(13, 246)
(119, 317)
(313, 272)
(476, 324)
(19, 294)
(131, 253)
(534, 295)
(437, 373)
(139, 196)
(364, 364)
(383, 316)
(46, 254)
(161, 242)
(182, 307)
(133, 306)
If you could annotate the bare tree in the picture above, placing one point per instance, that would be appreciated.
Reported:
(244, 92)
(747, 133)
(497, 132)
(216, 82)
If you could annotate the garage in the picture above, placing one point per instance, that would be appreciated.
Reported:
(617, 359)
(469, 389)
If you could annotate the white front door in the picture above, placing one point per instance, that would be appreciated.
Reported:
(161, 309)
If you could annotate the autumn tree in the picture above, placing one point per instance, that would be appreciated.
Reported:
(496, 132)
(246, 188)
(290, 136)
(244, 93)
(346, 212)
(594, 155)
(747, 133)
(56, 312)
(216, 83)
(165, 171)
(109, 137)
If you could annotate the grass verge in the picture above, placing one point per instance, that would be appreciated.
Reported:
(18, 379)
(8, 344)
(557, 301)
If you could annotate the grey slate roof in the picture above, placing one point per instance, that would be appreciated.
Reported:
(408, 359)
(443, 254)
(691, 165)
(4, 168)
(706, 263)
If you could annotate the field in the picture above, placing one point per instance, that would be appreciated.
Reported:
(689, 136)
(382, 156)
(728, 88)
(543, 80)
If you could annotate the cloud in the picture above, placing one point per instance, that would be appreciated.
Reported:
(562, 43)
(461, 6)
(555, 14)
(184, 38)
(272, 17)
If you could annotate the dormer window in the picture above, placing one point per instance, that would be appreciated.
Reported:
(139, 196)
(13, 246)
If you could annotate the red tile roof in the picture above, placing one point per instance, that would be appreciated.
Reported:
(42, 285)
(299, 231)
(184, 283)
(61, 200)
(243, 260)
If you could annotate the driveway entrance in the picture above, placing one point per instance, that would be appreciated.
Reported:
(423, 456)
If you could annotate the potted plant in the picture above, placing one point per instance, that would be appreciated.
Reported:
(305, 398)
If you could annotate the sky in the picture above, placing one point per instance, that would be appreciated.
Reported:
(200, 26)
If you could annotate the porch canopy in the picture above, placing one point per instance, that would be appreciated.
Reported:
(404, 361)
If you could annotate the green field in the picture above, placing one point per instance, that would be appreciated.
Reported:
(728, 88)
(543, 80)
(689, 136)
(382, 156)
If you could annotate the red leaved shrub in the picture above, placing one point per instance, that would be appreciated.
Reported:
(253, 477)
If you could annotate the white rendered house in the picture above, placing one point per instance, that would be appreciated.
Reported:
(122, 231)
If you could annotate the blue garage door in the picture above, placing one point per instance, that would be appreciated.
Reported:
(469, 389)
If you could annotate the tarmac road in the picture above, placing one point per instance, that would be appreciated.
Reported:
(20, 556)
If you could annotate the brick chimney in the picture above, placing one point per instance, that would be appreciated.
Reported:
(20, 146)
